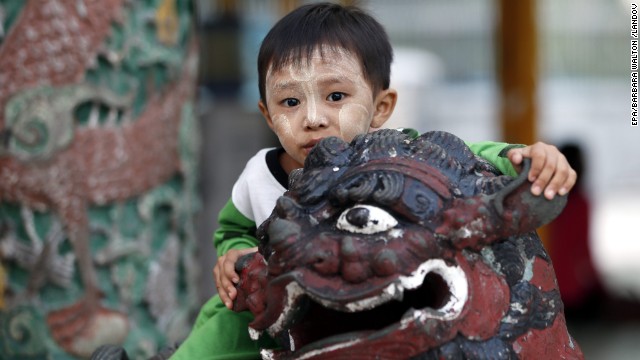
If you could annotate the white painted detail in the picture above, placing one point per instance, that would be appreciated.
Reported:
(292, 345)
(455, 279)
(266, 354)
(519, 308)
(254, 334)
(317, 352)
(294, 291)
(471, 229)
(396, 233)
(453, 276)
(528, 270)
(379, 221)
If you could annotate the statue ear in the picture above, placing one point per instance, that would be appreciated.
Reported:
(516, 198)
(479, 220)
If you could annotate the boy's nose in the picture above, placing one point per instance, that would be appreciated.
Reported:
(315, 117)
(315, 122)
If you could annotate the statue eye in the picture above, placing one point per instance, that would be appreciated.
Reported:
(365, 219)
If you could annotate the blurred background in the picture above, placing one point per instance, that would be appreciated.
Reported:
(557, 71)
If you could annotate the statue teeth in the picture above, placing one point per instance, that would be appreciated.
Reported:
(292, 344)
(254, 334)
(266, 354)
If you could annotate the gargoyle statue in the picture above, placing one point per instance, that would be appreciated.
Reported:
(392, 248)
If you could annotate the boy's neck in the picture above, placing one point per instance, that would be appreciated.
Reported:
(288, 163)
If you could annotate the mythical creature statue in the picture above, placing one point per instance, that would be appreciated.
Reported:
(393, 248)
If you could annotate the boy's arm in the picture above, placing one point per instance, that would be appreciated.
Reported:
(496, 154)
(234, 238)
(550, 171)
(235, 230)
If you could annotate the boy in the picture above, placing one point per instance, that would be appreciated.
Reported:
(323, 71)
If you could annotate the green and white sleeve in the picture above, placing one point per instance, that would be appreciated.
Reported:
(235, 230)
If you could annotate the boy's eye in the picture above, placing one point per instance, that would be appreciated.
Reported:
(336, 96)
(291, 102)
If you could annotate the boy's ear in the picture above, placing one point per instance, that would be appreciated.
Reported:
(385, 102)
(265, 113)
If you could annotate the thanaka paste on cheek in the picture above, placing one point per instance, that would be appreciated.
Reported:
(282, 125)
(354, 120)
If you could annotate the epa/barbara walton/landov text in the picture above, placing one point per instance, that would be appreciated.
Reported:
(634, 64)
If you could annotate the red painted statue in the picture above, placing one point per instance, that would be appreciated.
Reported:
(393, 248)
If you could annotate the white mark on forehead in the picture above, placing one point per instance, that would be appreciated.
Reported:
(302, 73)
(339, 63)
(305, 76)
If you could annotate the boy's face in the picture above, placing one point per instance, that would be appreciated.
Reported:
(327, 96)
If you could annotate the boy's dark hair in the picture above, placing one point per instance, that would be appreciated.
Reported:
(305, 29)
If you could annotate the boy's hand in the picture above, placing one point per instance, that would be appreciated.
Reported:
(550, 170)
(225, 276)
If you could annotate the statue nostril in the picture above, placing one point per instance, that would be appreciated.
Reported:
(325, 262)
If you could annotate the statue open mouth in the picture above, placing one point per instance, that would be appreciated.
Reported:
(312, 324)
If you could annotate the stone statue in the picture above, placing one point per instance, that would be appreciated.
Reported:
(396, 248)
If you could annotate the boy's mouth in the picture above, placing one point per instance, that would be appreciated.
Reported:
(309, 145)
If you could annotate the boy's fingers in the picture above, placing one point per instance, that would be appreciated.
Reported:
(226, 276)
(230, 274)
(224, 297)
(217, 272)
(558, 181)
(569, 182)
(542, 183)
(539, 162)
(232, 292)
(543, 178)
(224, 290)
(515, 156)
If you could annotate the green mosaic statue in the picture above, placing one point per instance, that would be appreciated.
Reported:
(98, 172)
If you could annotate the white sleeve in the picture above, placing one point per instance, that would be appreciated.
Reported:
(255, 192)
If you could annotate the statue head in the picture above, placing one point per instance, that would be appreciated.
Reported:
(397, 247)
